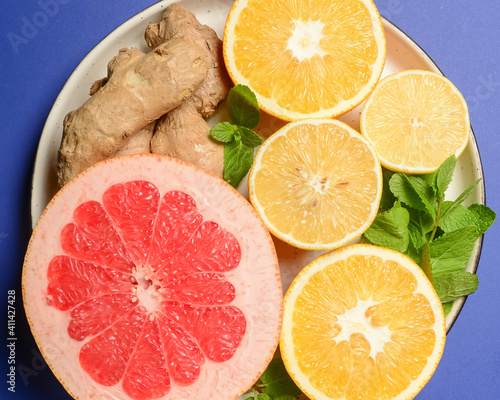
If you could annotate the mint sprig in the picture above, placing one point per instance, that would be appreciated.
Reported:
(275, 384)
(438, 235)
(240, 139)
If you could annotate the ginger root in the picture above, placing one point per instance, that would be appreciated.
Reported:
(183, 132)
(138, 143)
(139, 89)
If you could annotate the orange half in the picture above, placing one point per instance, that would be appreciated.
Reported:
(316, 184)
(362, 322)
(305, 59)
(415, 120)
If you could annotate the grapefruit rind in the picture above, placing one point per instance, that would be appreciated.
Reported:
(257, 279)
(424, 285)
(268, 104)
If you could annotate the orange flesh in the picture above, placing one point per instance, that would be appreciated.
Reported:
(350, 367)
(348, 51)
(317, 187)
(416, 120)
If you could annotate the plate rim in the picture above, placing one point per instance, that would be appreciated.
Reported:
(156, 7)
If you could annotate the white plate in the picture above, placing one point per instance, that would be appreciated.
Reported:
(402, 53)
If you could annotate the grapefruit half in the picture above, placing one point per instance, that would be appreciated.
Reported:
(149, 278)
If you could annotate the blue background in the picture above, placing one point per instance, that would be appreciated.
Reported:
(462, 37)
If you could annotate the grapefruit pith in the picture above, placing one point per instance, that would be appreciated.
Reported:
(147, 277)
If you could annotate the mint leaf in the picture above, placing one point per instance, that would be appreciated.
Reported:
(450, 287)
(258, 396)
(249, 138)
(402, 189)
(459, 217)
(450, 252)
(426, 262)
(416, 243)
(223, 131)
(445, 206)
(461, 198)
(415, 235)
(414, 254)
(408, 192)
(390, 229)
(447, 308)
(240, 140)
(485, 216)
(424, 190)
(441, 179)
(422, 219)
(238, 159)
(276, 382)
(262, 396)
(445, 174)
(431, 180)
(387, 200)
(243, 107)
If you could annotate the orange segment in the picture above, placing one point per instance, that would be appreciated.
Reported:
(362, 322)
(316, 184)
(415, 120)
(305, 59)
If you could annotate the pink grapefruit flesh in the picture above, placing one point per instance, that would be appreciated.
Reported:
(148, 278)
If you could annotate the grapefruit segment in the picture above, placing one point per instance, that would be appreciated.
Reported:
(218, 330)
(92, 237)
(214, 249)
(210, 249)
(147, 278)
(183, 353)
(97, 314)
(106, 356)
(132, 207)
(177, 220)
(147, 376)
(73, 281)
(201, 289)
